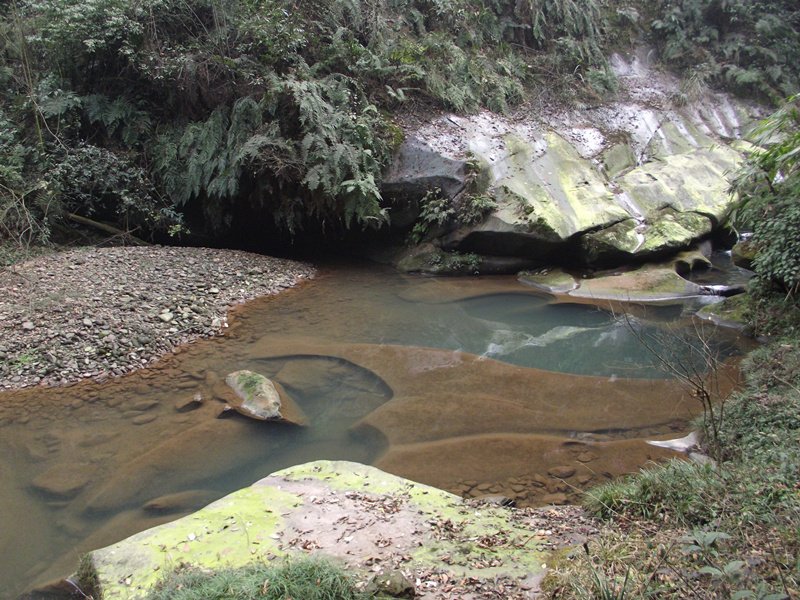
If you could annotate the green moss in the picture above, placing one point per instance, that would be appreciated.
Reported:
(250, 382)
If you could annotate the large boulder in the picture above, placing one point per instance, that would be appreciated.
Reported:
(355, 513)
(630, 181)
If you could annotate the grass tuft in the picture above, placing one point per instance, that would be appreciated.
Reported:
(301, 580)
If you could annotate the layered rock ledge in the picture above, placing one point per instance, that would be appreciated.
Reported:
(100, 312)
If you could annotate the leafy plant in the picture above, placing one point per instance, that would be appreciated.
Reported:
(746, 46)
(768, 186)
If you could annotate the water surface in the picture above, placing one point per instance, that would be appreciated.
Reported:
(474, 385)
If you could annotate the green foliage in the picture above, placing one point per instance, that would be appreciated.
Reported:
(301, 579)
(748, 47)
(686, 491)
(768, 185)
(267, 102)
(94, 182)
(315, 141)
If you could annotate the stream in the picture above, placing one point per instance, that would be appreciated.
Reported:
(475, 385)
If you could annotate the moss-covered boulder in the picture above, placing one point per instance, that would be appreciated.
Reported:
(354, 513)
(667, 232)
(743, 254)
(262, 399)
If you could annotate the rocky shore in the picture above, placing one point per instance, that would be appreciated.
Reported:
(101, 312)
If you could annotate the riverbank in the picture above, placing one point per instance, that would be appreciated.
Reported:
(714, 530)
(103, 312)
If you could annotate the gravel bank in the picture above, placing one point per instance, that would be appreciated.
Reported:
(99, 312)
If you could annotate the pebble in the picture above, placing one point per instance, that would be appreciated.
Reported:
(142, 419)
(128, 306)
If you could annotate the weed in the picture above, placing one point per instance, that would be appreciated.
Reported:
(306, 579)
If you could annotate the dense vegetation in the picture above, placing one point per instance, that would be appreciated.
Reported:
(769, 190)
(142, 113)
(750, 47)
(133, 112)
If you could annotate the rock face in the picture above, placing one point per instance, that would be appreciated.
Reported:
(348, 511)
(621, 183)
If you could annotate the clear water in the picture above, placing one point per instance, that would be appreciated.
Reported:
(80, 463)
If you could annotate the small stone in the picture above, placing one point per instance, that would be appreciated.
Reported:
(63, 481)
(561, 472)
(166, 317)
(558, 499)
(28, 325)
(145, 405)
(87, 321)
(142, 419)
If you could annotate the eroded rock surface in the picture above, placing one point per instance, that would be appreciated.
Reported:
(369, 519)
(628, 181)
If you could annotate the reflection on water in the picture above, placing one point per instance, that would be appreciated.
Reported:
(87, 465)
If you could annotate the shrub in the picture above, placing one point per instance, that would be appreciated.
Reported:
(768, 186)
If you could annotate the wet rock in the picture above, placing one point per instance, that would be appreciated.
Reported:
(561, 472)
(143, 419)
(145, 405)
(181, 502)
(586, 456)
(262, 399)
(189, 403)
(557, 499)
(224, 411)
(63, 481)
(211, 378)
(743, 254)
(258, 398)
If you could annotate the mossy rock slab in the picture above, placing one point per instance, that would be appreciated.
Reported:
(354, 513)
(617, 159)
(649, 284)
(554, 282)
(667, 232)
(692, 182)
(730, 312)
(552, 195)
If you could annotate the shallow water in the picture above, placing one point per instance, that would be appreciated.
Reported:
(474, 385)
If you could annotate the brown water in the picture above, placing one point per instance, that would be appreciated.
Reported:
(474, 385)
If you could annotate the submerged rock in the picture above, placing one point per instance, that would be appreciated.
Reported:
(63, 481)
